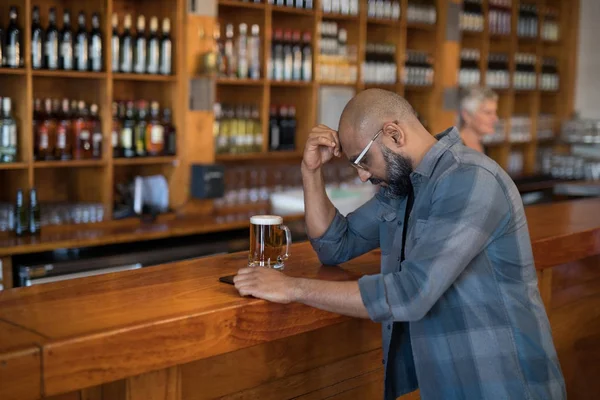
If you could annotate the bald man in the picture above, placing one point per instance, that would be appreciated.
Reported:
(457, 295)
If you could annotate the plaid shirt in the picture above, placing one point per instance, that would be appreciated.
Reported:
(462, 316)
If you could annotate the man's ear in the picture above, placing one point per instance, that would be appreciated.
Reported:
(395, 133)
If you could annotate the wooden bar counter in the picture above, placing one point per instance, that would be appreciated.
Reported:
(175, 332)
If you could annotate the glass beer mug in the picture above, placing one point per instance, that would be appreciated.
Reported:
(267, 235)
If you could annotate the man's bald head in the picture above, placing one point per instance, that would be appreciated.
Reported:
(368, 110)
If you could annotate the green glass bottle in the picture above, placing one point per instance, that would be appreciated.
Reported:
(21, 227)
(34, 213)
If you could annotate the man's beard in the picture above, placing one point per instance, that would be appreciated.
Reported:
(398, 170)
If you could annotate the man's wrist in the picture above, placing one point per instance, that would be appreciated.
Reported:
(307, 171)
(297, 289)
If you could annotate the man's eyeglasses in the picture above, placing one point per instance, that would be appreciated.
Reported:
(356, 163)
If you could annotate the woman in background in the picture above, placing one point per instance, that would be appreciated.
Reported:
(478, 114)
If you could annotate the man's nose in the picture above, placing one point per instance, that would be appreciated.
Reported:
(364, 175)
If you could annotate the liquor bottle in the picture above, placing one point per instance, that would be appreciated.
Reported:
(296, 56)
(127, 132)
(249, 132)
(258, 138)
(117, 126)
(81, 45)
(170, 133)
(65, 58)
(14, 39)
(307, 57)
(34, 218)
(126, 55)
(217, 134)
(290, 139)
(8, 134)
(277, 55)
(95, 128)
(153, 50)
(2, 54)
(83, 139)
(37, 40)
(140, 129)
(64, 133)
(230, 60)
(95, 49)
(166, 48)
(274, 131)
(242, 52)
(37, 121)
(155, 141)
(288, 58)
(254, 52)
(51, 42)
(115, 42)
(139, 54)
(21, 226)
(46, 125)
(284, 128)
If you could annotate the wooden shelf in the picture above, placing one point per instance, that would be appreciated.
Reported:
(387, 86)
(293, 10)
(69, 74)
(144, 77)
(340, 17)
(69, 164)
(240, 82)
(240, 4)
(258, 156)
(299, 84)
(12, 71)
(145, 160)
(421, 26)
(418, 88)
(326, 83)
(384, 22)
(15, 165)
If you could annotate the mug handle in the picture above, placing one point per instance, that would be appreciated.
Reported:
(288, 241)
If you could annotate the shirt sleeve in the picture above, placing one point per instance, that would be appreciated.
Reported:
(351, 236)
(469, 209)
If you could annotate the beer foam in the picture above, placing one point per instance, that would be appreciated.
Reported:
(266, 220)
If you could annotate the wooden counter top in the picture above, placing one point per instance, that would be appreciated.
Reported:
(104, 328)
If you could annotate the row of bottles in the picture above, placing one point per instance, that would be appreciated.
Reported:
(139, 129)
(421, 11)
(237, 129)
(498, 136)
(8, 133)
(305, 4)
(520, 129)
(27, 220)
(380, 64)
(525, 76)
(501, 3)
(143, 53)
(545, 127)
(471, 16)
(11, 51)
(348, 7)
(498, 76)
(550, 27)
(282, 128)
(500, 20)
(338, 59)
(66, 49)
(238, 57)
(291, 58)
(550, 80)
(469, 73)
(515, 163)
(418, 69)
(383, 9)
(527, 24)
(66, 130)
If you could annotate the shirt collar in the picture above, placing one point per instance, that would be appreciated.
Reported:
(445, 140)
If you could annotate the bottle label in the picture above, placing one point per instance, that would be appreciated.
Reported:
(43, 138)
(12, 55)
(61, 138)
(97, 138)
(5, 136)
(115, 53)
(258, 139)
(51, 48)
(140, 49)
(115, 139)
(84, 135)
(96, 55)
(126, 141)
(153, 56)
(157, 134)
(165, 58)
(126, 62)
(36, 51)
(222, 142)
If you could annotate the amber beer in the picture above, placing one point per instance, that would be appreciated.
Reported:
(270, 242)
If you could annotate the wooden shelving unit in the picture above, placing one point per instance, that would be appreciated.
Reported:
(92, 180)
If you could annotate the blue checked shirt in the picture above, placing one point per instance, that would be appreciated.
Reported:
(461, 316)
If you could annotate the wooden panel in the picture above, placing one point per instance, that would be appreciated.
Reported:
(164, 384)
(371, 383)
(10, 182)
(7, 272)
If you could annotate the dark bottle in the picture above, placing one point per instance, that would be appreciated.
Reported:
(95, 128)
(95, 50)
(81, 44)
(51, 42)
(65, 59)
(274, 130)
(139, 54)
(277, 55)
(155, 140)
(290, 137)
(118, 114)
(126, 55)
(170, 133)
(166, 48)
(2, 55)
(127, 133)
(115, 43)
(140, 129)
(21, 226)
(82, 138)
(12, 48)
(37, 40)
(307, 57)
(37, 118)
(45, 133)
(288, 57)
(34, 218)
(64, 133)
(296, 56)
(153, 51)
